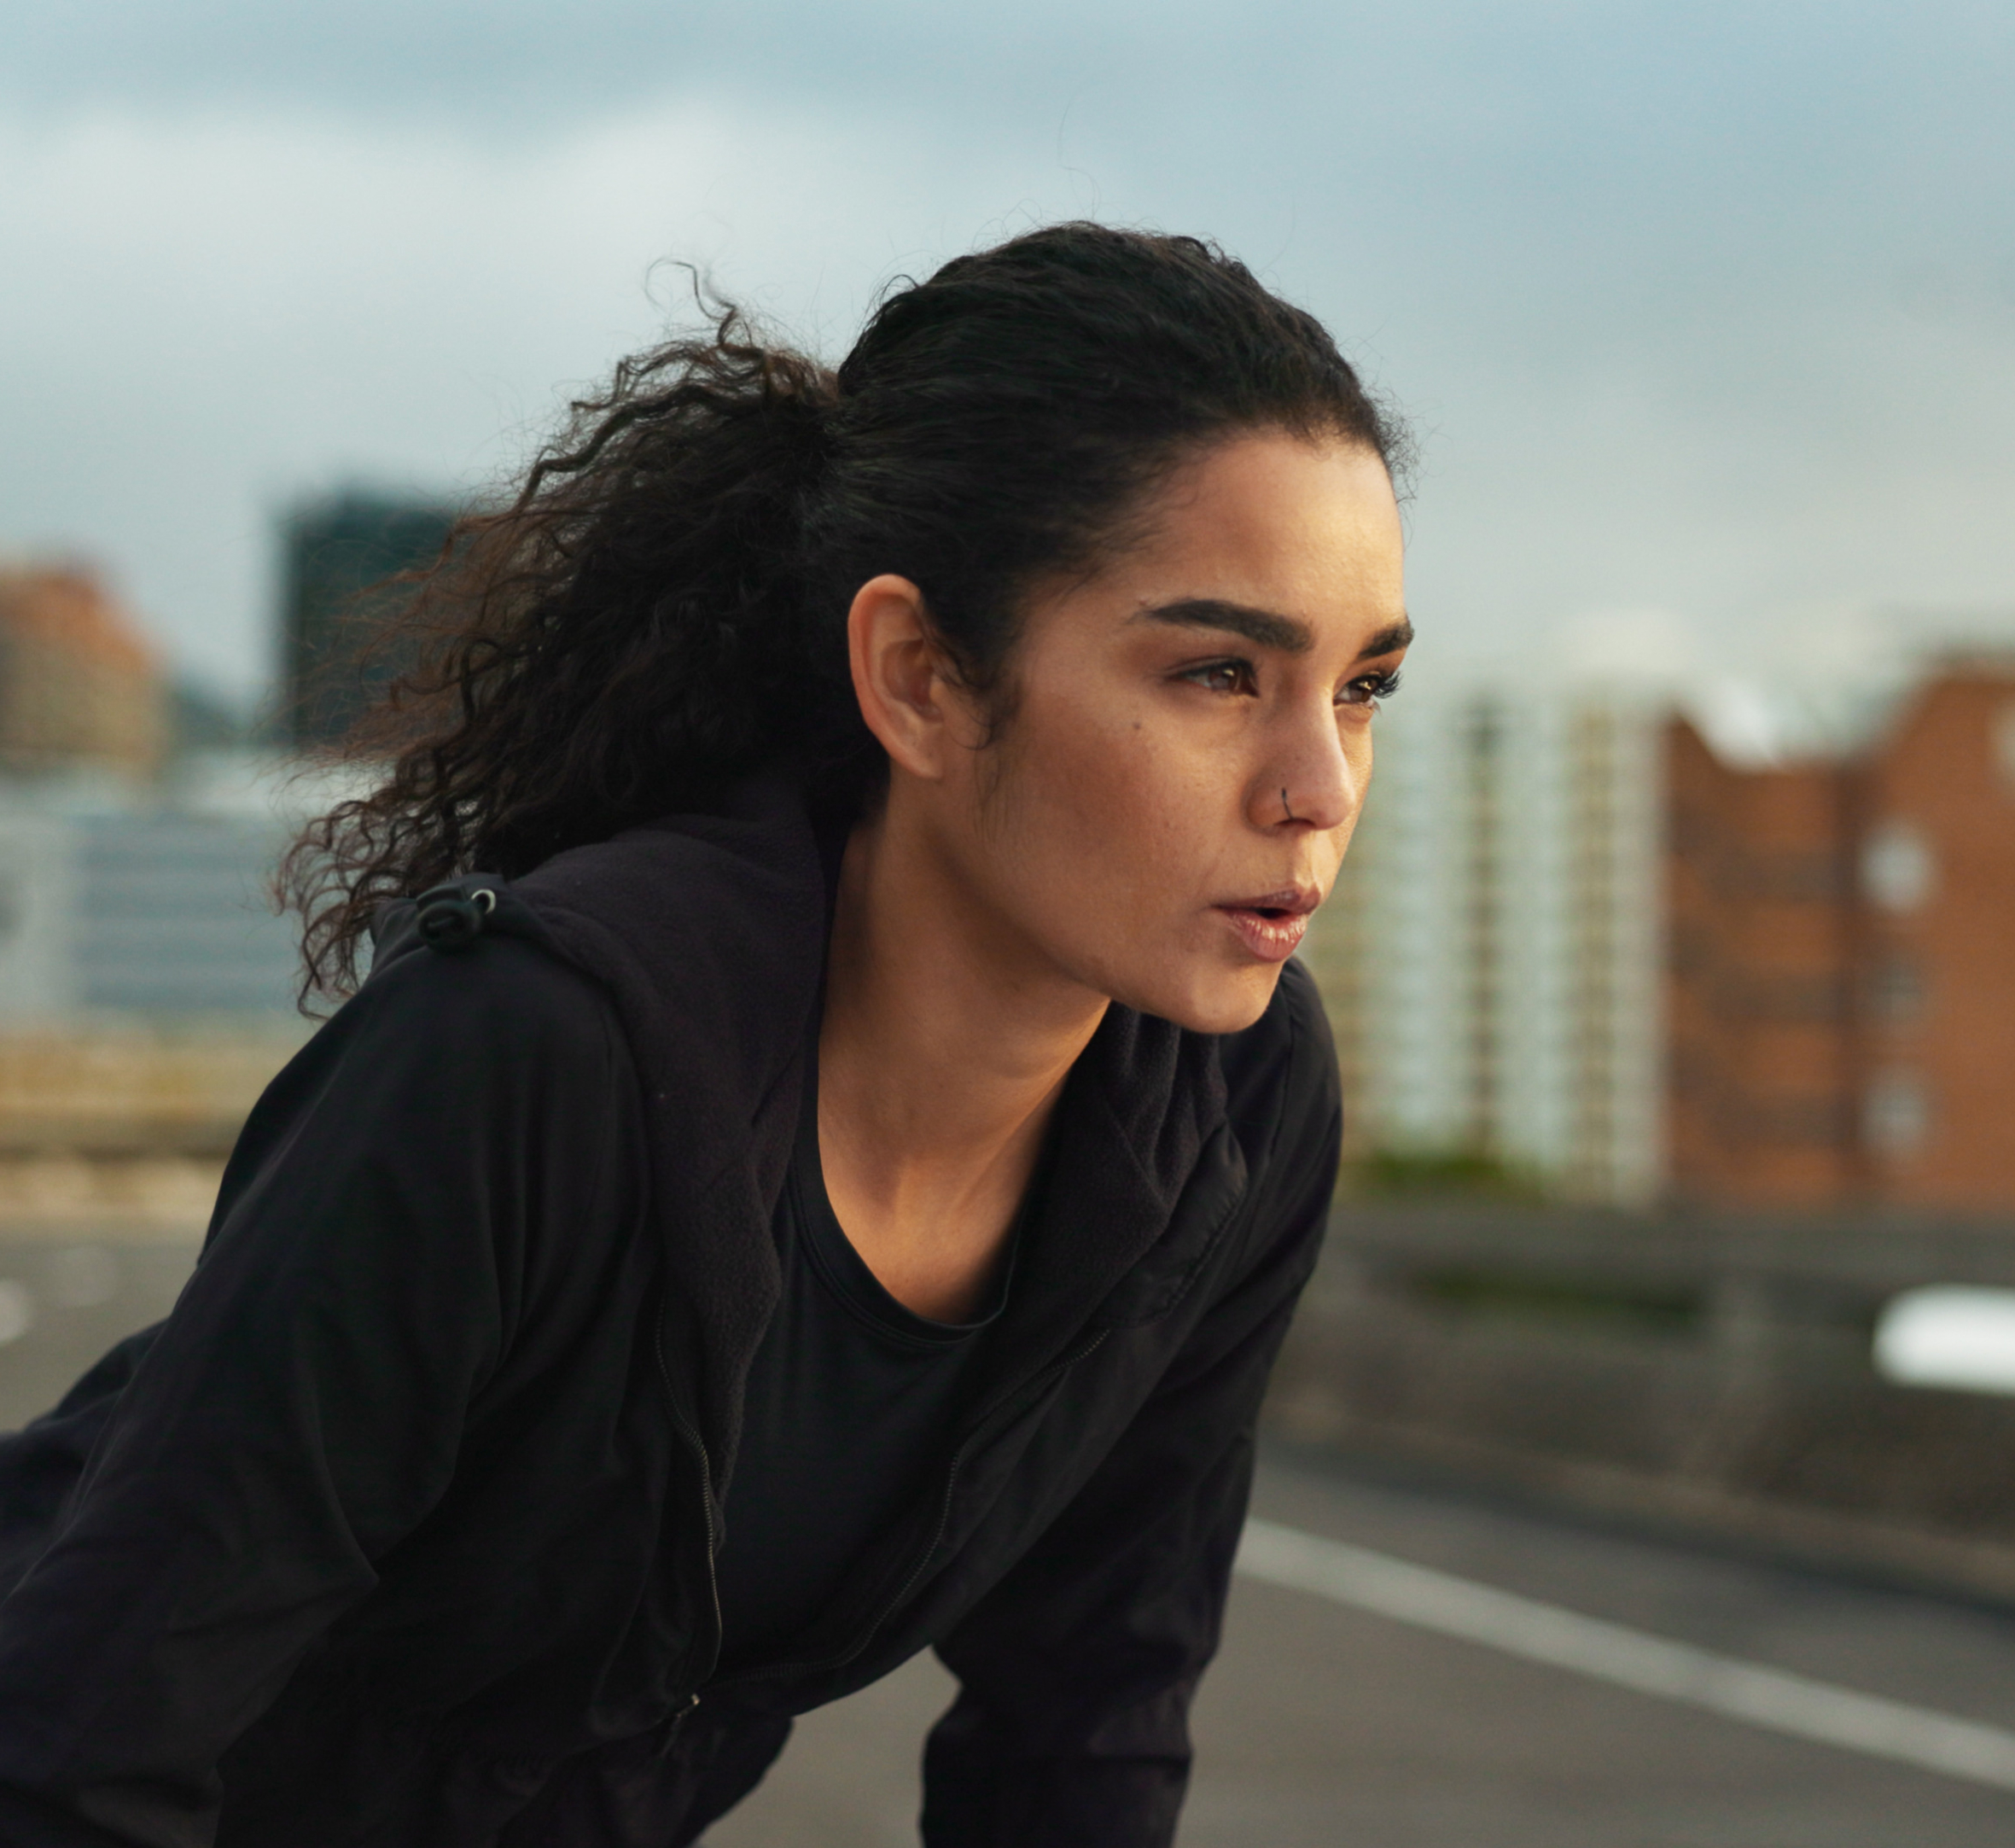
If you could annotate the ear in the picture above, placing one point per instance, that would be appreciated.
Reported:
(908, 697)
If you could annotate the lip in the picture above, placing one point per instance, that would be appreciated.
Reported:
(1271, 924)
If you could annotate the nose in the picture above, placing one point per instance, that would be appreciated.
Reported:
(1312, 779)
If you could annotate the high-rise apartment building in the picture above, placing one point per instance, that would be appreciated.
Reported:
(1490, 955)
(341, 555)
(79, 687)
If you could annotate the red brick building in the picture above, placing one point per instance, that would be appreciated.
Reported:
(78, 685)
(1840, 991)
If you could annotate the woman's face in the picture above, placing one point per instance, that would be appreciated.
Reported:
(1189, 734)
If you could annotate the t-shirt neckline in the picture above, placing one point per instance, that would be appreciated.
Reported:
(846, 1273)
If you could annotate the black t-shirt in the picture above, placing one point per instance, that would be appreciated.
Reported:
(851, 1401)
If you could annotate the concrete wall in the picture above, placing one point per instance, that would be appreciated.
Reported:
(1713, 1372)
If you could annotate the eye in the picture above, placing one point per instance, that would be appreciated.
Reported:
(1368, 689)
(1224, 677)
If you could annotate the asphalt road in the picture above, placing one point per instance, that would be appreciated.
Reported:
(1322, 1726)
(1330, 1723)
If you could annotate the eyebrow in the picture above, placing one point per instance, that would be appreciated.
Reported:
(1266, 629)
(1388, 640)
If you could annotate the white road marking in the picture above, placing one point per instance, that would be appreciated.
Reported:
(1767, 1697)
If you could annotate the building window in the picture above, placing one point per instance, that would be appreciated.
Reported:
(2004, 744)
(1896, 1114)
(1895, 988)
(1897, 867)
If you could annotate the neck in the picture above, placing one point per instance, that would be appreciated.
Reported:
(944, 1046)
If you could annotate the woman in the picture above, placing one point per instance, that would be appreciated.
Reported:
(831, 1182)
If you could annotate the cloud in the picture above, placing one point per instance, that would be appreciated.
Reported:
(1701, 308)
(224, 312)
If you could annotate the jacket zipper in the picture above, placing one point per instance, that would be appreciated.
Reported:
(891, 1604)
(690, 1431)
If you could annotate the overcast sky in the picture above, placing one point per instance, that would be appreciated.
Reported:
(1705, 313)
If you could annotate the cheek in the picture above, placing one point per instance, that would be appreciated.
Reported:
(1104, 841)
(1102, 800)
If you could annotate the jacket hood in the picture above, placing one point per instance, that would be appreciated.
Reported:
(708, 933)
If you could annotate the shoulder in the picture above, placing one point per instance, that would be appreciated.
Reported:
(456, 1104)
(501, 1015)
(500, 985)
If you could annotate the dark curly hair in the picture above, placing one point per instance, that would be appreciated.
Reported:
(661, 607)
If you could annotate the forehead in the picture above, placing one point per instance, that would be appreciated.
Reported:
(1275, 503)
(1310, 530)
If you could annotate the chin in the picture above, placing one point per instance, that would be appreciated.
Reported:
(1222, 1001)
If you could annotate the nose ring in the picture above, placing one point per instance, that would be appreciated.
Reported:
(1284, 809)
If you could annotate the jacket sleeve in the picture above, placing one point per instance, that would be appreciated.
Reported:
(1071, 1728)
(302, 1409)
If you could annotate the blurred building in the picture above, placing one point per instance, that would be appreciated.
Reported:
(340, 555)
(1490, 955)
(139, 916)
(1841, 995)
(79, 688)
(1576, 947)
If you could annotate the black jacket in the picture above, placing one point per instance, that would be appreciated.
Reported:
(401, 1532)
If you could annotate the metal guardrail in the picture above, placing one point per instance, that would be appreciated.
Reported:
(1712, 1372)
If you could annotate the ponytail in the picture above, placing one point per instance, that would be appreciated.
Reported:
(617, 643)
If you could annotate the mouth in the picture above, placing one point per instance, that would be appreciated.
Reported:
(1272, 924)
